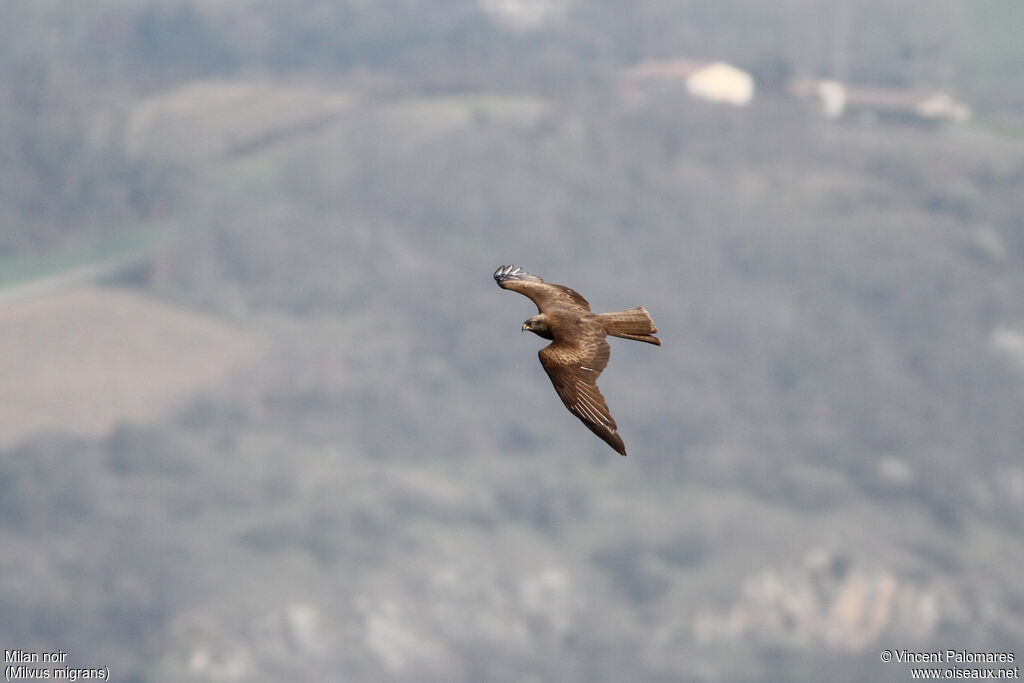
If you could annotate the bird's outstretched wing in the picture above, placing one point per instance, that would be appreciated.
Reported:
(544, 294)
(573, 369)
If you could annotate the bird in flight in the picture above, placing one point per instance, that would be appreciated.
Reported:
(578, 351)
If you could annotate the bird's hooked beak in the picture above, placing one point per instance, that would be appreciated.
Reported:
(525, 327)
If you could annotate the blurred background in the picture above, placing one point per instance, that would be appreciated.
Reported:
(266, 415)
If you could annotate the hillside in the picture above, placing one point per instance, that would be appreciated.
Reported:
(332, 456)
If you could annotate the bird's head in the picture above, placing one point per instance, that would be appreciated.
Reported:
(538, 324)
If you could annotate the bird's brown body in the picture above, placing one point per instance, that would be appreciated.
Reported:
(578, 351)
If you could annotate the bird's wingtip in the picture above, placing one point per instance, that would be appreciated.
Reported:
(510, 272)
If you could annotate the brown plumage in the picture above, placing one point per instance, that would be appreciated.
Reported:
(578, 351)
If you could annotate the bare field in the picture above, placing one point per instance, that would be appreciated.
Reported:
(210, 120)
(85, 359)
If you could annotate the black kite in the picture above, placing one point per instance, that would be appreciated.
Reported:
(578, 351)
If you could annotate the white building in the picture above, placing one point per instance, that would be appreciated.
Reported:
(712, 81)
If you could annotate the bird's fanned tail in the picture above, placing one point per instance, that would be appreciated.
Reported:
(632, 323)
